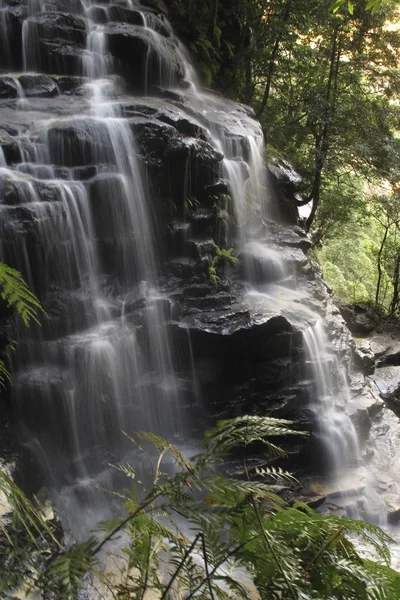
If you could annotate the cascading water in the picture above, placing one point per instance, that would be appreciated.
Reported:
(336, 432)
(83, 189)
(106, 374)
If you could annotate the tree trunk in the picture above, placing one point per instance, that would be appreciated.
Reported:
(379, 265)
(272, 59)
(322, 140)
(396, 280)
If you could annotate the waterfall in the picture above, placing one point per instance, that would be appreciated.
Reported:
(109, 201)
(335, 430)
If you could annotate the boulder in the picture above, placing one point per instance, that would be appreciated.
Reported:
(78, 142)
(143, 57)
(105, 14)
(11, 19)
(152, 137)
(38, 85)
(64, 6)
(110, 206)
(285, 183)
(51, 26)
(56, 43)
(8, 88)
(188, 166)
(68, 84)
(178, 119)
(360, 318)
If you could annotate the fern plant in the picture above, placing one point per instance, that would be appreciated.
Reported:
(198, 534)
(27, 539)
(222, 257)
(15, 293)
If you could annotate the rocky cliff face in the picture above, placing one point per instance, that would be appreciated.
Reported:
(142, 178)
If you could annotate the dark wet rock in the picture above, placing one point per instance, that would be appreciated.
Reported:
(152, 137)
(90, 171)
(244, 361)
(393, 518)
(190, 161)
(58, 26)
(61, 40)
(110, 208)
(238, 324)
(364, 405)
(158, 22)
(139, 109)
(197, 248)
(33, 244)
(29, 85)
(11, 19)
(285, 183)
(79, 142)
(360, 319)
(59, 57)
(268, 264)
(10, 147)
(182, 267)
(216, 189)
(181, 122)
(363, 356)
(72, 6)
(387, 381)
(156, 90)
(68, 84)
(156, 61)
(106, 13)
(158, 5)
(177, 236)
(8, 88)
(377, 338)
(294, 236)
(38, 85)
(202, 221)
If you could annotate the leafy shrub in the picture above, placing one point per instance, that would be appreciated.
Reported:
(239, 526)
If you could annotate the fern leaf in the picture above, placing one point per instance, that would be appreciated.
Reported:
(15, 292)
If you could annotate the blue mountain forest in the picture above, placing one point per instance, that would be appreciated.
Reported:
(200, 296)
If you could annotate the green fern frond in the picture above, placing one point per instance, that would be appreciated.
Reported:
(5, 375)
(24, 514)
(246, 430)
(14, 291)
(64, 574)
(276, 473)
(162, 445)
(232, 491)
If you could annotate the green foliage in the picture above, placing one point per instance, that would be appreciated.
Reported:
(222, 257)
(243, 536)
(27, 540)
(371, 5)
(15, 292)
(348, 262)
(63, 574)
